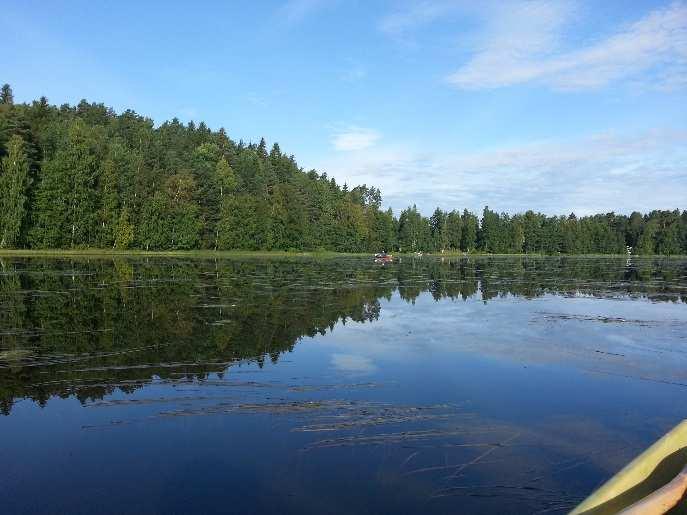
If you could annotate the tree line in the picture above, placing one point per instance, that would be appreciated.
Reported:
(84, 176)
(658, 232)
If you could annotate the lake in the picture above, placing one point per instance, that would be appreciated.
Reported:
(480, 385)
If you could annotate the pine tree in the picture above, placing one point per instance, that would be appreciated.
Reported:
(438, 225)
(414, 231)
(262, 149)
(204, 161)
(226, 180)
(634, 229)
(490, 234)
(183, 214)
(6, 96)
(646, 244)
(93, 173)
(66, 199)
(109, 198)
(14, 185)
(154, 227)
(454, 230)
(531, 225)
(469, 231)
(570, 235)
(669, 237)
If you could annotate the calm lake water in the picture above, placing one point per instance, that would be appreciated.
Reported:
(489, 385)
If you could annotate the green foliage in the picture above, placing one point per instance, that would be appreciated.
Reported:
(646, 243)
(133, 328)
(66, 202)
(14, 185)
(109, 197)
(244, 224)
(124, 232)
(438, 224)
(172, 220)
(352, 227)
(414, 231)
(6, 96)
(454, 229)
(470, 226)
(154, 223)
(84, 176)
(669, 236)
(225, 177)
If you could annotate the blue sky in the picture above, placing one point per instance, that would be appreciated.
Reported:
(554, 105)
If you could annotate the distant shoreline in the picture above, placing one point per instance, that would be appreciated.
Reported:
(205, 254)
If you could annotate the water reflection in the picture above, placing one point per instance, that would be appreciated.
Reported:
(86, 327)
(490, 385)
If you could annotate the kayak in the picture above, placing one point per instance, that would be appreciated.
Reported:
(650, 471)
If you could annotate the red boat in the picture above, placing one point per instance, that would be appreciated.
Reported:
(383, 257)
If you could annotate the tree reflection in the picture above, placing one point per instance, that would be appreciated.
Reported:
(85, 328)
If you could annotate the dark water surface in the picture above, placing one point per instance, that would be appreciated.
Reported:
(489, 385)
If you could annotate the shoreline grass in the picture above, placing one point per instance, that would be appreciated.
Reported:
(229, 254)
(106, 253)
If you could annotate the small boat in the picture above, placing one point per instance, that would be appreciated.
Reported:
(649, 475)
(383, 257)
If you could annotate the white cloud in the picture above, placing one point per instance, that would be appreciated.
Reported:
(416, 15)
(355, 138)
(354, 73)
(256, 100)
(295, 11)
(353, 363)
(607, 172)
(524, 44)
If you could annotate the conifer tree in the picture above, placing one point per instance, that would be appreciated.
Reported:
(646, 244)
(14, 184)
(469, 225)
(454, 230)
(439, 230)
(91, 177)
(6, 96)
(225, 178)
(109, 196)
(66, 198)
(262, 149)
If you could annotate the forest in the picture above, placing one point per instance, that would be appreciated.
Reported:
(77, 177)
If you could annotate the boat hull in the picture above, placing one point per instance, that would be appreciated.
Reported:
(651, 470)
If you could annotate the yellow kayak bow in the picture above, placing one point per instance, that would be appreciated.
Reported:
(651, 470)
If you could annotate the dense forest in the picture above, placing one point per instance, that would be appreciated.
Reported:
(84, 176)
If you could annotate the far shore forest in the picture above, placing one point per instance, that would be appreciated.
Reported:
(76, 177)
